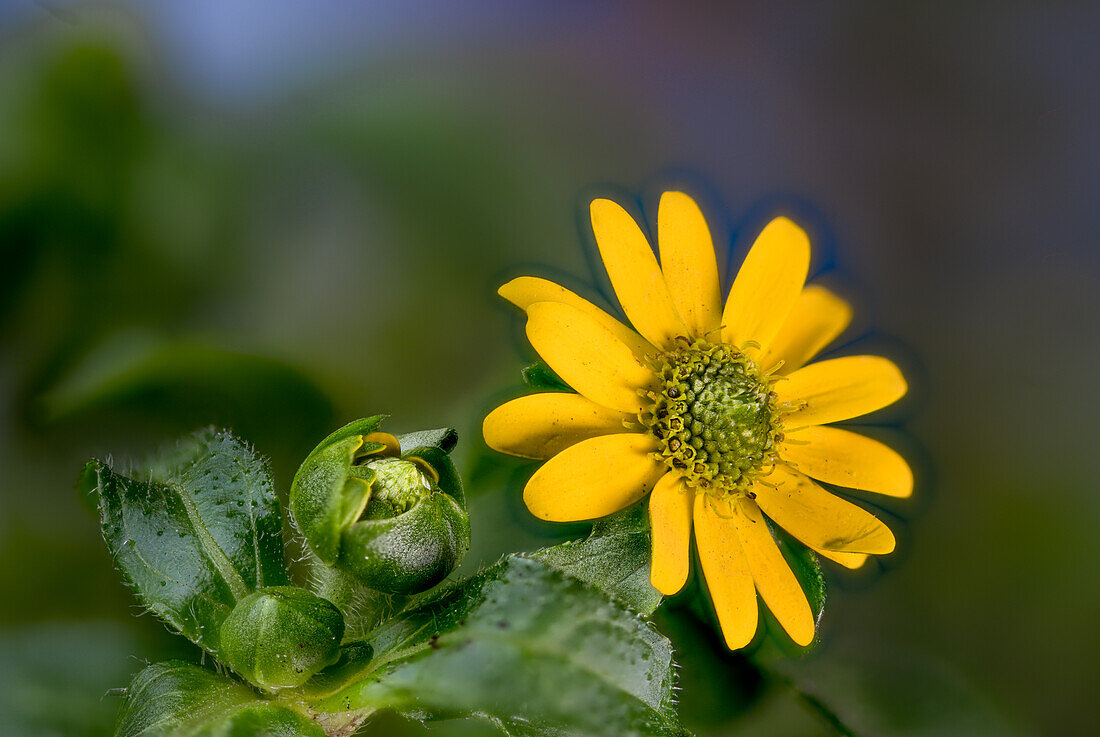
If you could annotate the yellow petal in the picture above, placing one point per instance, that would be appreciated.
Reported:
(726, 571)
(587, 356)
(689, 263)
(767, 286)
(670, 522)
(820, 519)
(524, 291)
(635, 276)
(848, 560)
(594, 478)
(840, 389)
(773, 577)
(542, 425)
(818, 317)
(391, 446)
(845, 458)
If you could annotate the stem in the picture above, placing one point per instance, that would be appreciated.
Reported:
(819, 707)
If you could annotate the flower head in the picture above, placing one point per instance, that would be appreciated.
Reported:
(708, 407)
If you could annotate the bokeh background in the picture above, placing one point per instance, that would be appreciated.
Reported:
(279, 216)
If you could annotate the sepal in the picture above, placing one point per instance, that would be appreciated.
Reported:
(327, 495)
(409, 552)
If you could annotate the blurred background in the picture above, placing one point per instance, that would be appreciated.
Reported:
(279, 216)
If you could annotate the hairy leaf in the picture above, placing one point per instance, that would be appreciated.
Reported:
(614, 558)
(443, 438)
(175, 698)
(527, 647)
(194, 534)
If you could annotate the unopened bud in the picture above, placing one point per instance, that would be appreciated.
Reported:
(279, 636)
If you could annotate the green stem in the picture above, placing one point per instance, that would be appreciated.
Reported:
(819, 707)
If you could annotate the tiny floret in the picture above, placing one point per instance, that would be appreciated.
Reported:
(714, 417)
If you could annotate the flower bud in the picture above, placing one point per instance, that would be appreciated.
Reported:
(388, 511)
(279, 636)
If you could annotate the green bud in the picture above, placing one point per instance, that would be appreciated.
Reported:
(388, 511)
(279, 636)
(411, 534)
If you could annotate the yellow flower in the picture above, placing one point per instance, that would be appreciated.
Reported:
(709, 409)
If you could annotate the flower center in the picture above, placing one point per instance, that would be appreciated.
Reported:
(398, 485)
(715, 417)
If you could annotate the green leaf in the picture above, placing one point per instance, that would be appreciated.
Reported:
(540, 376)
(364, 426)
(175, 698)
(354, 660)
(614, 558)
(325, 498)
(328, 494)
(444, 438)
(527, 647)
(234, 497)
(194, 534)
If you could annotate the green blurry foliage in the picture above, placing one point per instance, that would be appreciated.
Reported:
(896, 692)
(56, 678)
(73, 147)
(78, 144)
(106, 275)
(138, 235)
(187, 381)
